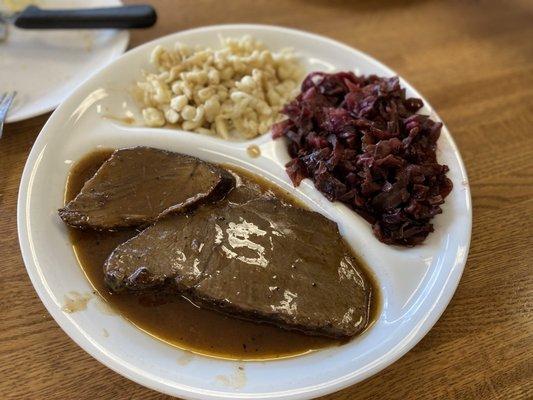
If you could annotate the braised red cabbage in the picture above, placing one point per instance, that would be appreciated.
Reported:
(361, 142)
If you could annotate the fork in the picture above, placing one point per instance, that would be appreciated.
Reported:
(5, 102)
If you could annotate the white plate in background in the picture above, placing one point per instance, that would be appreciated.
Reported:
(416, 284)
(45, 66)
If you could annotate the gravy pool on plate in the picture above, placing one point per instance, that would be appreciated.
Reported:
(174, 318)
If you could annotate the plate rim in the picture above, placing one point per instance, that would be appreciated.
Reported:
(90, 346)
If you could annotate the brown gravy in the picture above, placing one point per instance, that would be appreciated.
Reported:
(192, 328)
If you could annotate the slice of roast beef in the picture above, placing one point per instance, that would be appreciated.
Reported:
(136, 186)
(260, 260)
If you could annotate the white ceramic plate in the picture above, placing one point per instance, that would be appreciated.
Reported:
(416, 284)
(44, 67)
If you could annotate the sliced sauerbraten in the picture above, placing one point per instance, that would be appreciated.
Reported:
(255, 258)
(136, 186)
(222, 241)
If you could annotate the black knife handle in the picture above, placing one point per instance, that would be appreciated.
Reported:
(126, 17)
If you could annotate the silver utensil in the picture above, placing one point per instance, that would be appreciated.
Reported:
(124, 17)
(5, 102)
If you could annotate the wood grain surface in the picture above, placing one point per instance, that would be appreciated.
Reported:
(474, 62)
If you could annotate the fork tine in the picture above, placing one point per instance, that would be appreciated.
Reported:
(5, 102)
(4, 98)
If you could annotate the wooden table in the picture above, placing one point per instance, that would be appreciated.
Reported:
(474, 62)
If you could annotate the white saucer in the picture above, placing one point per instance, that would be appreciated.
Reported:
(44, 67)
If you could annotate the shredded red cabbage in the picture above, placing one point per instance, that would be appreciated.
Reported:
(361, 142)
